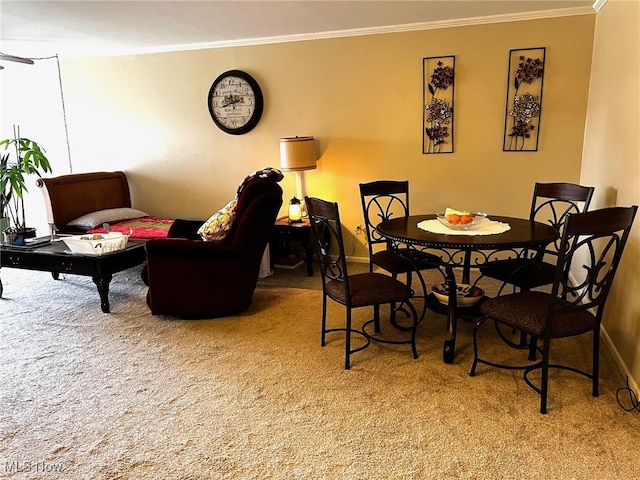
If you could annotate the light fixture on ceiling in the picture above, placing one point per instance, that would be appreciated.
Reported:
(13, 58)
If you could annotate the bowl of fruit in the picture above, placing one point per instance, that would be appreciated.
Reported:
(459, 219)
(466, 295)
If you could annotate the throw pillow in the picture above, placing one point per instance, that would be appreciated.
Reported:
(109, 215)
(219, 224)
(217, 227)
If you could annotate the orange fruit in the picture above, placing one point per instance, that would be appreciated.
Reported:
(464, 219)
(453, 219)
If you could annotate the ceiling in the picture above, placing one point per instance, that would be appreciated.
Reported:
(93, 28)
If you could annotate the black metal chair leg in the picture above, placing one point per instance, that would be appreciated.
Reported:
(544, 387)
(533, 346)
(347, 357)
(475, 345)
(376, 316)
(596, 364)
(323, 335)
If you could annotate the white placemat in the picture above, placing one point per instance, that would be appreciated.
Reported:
(485, 226)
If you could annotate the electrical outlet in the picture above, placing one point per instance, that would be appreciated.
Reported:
(358, 230)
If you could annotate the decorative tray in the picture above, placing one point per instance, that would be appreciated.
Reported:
(96, 244)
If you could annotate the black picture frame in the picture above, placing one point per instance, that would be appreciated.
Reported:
(523, 110)
(438, 88)
(256, 92)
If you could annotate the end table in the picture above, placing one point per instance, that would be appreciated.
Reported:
(284, 232)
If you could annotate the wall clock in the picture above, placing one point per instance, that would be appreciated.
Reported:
(235, 102)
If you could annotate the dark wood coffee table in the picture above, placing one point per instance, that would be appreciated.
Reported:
(55, 257)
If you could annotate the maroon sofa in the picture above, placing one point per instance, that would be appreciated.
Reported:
(191, 278)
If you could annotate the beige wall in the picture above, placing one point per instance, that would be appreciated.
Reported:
(611, 160)
(361, 97)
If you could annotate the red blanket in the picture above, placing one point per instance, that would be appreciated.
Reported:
(141, 228)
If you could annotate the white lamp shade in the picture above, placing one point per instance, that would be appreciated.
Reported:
(297, 153)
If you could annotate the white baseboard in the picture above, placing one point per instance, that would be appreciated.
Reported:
(617, 358)
(624, 370)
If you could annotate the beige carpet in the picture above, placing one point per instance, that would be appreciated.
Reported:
(126, 395)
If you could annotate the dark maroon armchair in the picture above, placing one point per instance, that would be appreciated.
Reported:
(191, 278)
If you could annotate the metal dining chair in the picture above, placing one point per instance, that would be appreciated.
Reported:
(383, 200)
(369, 289)
(588, 256)
(551, 204)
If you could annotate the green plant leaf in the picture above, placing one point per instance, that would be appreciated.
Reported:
(30, 159)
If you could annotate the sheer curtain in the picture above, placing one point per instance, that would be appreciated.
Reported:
(31, 98)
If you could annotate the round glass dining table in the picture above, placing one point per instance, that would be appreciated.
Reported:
(524, 239)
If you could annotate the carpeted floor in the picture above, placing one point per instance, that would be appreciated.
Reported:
(126, 395)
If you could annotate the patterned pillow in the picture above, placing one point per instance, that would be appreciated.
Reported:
(219, 224)
(217, 227)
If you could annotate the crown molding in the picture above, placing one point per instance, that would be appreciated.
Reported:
(598, 4)
(462, 22)
(516, 17)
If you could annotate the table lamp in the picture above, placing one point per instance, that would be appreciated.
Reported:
(295, 210)
(297, 154)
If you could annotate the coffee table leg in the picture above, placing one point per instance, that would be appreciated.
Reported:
(102, 282)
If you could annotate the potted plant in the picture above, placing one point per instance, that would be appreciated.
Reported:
(4, 200)
(28, 159)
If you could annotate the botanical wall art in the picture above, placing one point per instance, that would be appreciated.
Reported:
(437, 126)
(524, 100)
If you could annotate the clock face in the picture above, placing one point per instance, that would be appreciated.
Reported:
(235, 102)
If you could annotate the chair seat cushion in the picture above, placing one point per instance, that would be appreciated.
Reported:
(369, 289)
(408, 260)
(528, 311)
(521, 273)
